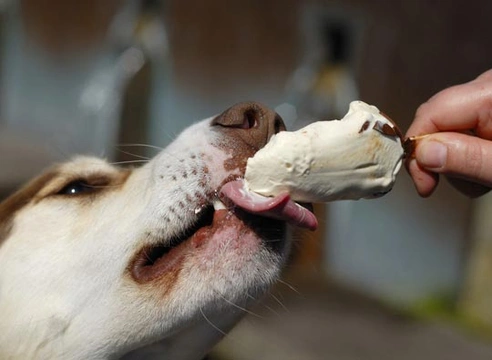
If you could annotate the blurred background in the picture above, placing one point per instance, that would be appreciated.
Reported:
(394, 278)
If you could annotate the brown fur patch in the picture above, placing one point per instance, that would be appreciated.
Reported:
(39, 188)
(99, 182)
(21, 198)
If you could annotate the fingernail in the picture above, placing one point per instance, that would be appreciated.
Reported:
(431, 154)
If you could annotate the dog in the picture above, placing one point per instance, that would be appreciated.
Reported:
(101, 262)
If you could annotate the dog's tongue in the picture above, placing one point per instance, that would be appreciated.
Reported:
(279, 207)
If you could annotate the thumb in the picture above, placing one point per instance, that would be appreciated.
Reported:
(457, 155)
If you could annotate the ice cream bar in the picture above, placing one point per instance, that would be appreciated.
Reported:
(356, 157)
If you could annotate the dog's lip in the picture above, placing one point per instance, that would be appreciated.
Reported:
(154, 260)
(280, 207)
(159, 262)
(162, 260)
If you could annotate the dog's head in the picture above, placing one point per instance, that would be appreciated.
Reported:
(96, 261)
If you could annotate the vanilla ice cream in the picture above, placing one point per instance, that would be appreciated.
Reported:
(356, 157)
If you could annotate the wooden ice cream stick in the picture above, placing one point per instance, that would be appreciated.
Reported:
(410, 144)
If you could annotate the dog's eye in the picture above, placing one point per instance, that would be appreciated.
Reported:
(76, 187)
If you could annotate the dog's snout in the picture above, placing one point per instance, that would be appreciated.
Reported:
(255, 123)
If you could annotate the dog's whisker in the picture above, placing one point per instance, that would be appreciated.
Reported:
(212, 324)
(279, 302)
(238, 306)
(272, 310)
(142, 145)
(133, 154)
(289, 286)
(130, 162)
(251, 297)
(276, 313)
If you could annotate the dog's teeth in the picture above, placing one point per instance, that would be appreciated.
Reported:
(219, 205)
(198, 210)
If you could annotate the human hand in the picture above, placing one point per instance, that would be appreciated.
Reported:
(458, 122)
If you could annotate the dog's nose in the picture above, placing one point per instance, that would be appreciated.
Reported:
(256, 122)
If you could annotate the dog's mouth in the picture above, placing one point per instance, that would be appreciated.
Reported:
(156, 261)
(153, 261)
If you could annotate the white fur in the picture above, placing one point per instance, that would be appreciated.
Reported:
(64, 289)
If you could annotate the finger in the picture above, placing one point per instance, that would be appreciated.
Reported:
(456, 155)
(425, 181)
(486, 75)
(459, 108)
(469, 188)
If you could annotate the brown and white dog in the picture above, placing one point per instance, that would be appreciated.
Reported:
(98, 261)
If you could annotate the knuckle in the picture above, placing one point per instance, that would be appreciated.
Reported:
(474, 160)
(487, 75)
(429, 112)
(422, 110)
(484, 126)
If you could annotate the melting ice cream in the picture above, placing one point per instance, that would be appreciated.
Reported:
(356, 157)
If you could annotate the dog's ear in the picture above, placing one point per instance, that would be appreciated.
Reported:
(21, 198)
